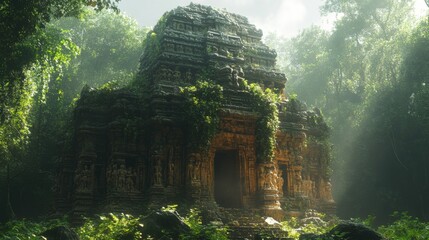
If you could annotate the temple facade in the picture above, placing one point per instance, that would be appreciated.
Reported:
(131, 147)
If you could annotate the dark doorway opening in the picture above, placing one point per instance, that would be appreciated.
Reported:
(227, 190)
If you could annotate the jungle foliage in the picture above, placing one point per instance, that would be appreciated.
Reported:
(125, 226)
(98, 49)
(369, 76)
(203, 102)
(264, 102)
(113, 226)
(21, 24)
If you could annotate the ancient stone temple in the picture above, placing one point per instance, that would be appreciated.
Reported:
(132, 149)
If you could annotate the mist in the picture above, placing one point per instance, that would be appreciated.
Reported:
(368, 74)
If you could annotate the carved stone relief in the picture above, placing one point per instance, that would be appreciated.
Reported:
(120, 178)
(84, 178)
(157, 171)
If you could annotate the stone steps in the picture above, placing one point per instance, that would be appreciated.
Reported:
(249, 232)
(250, 224)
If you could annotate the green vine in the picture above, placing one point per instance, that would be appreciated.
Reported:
(265, 103)
(203, 101)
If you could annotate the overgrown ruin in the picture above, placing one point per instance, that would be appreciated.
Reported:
(133, 147)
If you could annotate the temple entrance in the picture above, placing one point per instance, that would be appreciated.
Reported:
(227, 191)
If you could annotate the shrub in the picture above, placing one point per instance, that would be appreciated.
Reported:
(200, 231)
(295, 228)
(28, 230)
(111, 227)
(405, 228)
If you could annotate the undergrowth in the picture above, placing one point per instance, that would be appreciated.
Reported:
(200, 231)
(124, 226)
(111, 227)
(405, 227)
(27, 229)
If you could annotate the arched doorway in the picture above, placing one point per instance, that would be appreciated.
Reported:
(227, 186)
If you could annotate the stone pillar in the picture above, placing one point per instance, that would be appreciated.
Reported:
(156, 190)
(268, 192)
(157, 164)
(297, 181)
(206, 176)
(193, 175)
(84, 174)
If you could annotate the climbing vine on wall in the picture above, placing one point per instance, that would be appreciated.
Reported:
(203, 101)
(265, 103)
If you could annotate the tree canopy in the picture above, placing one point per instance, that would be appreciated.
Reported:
(21, 43)
(368, 74)
(95, 49)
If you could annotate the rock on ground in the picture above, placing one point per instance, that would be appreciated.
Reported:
(346, 231)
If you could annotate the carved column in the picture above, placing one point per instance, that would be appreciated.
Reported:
(173, 162)
(268, 192)
(248, 174)
(297, 181)
(206, 176)
(157, 166)
(193, 175)
(84, 179)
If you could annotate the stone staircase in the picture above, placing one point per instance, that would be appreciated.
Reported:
(250, 224)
